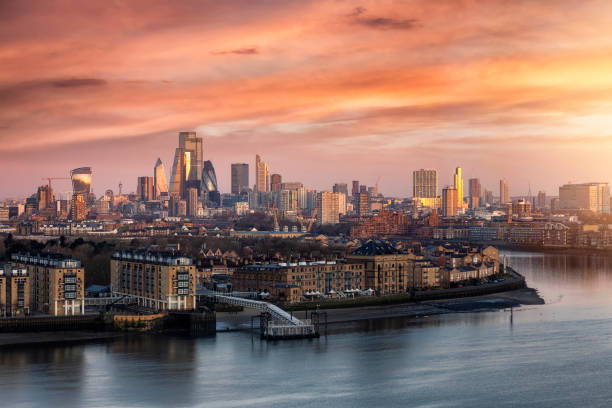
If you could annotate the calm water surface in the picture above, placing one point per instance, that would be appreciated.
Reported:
(555, 355)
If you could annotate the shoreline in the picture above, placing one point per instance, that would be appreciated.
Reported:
(52, 338)
(231, 322)
(228, 322)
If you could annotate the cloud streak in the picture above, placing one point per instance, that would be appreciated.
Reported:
(420, 83)
(359, 17)
(238, 51)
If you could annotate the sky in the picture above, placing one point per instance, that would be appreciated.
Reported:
(324, 91)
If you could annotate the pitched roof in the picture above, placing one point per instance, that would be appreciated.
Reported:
(376, 247)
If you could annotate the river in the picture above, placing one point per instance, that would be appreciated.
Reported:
(553, 355)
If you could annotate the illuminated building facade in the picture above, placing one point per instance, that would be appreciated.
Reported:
(158, 280)
(160, 186)
(425, 183)
(57, 283)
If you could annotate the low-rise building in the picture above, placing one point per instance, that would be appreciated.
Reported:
(291, 281)
(387, 269)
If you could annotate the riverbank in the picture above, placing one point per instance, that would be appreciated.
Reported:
(19, 340)
(495, 301)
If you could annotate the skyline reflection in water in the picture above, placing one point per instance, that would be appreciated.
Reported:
(550, 355)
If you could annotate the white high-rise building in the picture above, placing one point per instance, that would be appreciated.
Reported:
(594, 197)
(328, 211)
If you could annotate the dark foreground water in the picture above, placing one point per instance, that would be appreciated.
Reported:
(555, 355)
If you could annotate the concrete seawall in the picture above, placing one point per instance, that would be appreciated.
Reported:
(518, 282)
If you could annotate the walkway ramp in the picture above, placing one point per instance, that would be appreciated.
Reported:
(276, 312)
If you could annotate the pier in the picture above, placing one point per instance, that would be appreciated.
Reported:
(275, 323)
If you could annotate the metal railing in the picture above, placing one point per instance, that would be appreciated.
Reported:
(275, 311)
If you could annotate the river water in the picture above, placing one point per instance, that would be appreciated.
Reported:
(553, 355)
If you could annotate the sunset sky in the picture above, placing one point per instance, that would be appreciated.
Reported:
(324, 91)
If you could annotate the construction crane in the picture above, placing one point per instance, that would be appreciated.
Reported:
(377, 180)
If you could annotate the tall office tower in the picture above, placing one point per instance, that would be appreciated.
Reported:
(362, 204)
(172, 205)
(78, 209)
(554, 204)
(177, 178)
(487, 196)
(541, 199)
(504, 192)
(145, 188)
(81, 188)
(302, 198)
(594, 197)
(191, 144)
(288, 200)
(311, 200)
(342, 198)
(160, 186)
(475, 192)
(459, 187)
(327, 208)
(209, 178)
(355, 189)
(363, 188)
(275, 183)
(81, 180)
(181, 208)
(45, 197)
(341, 188)
(449, 201)
(192, 202)
(291, 185)
(240, 177)
(261, 175)
(425, 183)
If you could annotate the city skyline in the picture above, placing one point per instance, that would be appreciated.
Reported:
(390, 98)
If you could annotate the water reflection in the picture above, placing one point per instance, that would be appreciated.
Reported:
(558, 354)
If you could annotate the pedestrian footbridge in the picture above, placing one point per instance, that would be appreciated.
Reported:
(279, 325)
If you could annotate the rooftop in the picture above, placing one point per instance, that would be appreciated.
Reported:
(46, 259)
(156, 257)
(376, 247)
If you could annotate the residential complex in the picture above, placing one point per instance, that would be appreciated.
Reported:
(57, 282)
(160, 280)
(292, 281)
(377, 266)
(14, 291)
